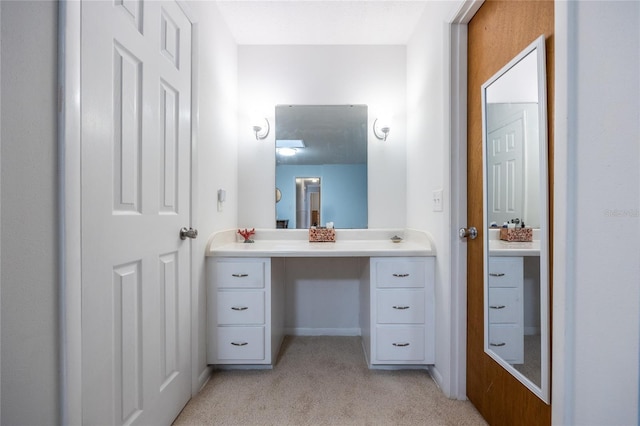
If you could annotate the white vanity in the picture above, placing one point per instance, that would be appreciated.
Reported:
(506, 295)
(245, 294)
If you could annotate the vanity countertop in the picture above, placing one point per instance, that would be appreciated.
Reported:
(505, 248)
(498, 247)
(295, 243)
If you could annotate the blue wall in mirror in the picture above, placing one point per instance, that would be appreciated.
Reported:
(344, 193)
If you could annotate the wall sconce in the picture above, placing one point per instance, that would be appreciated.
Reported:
(382, 127)
(260, 131)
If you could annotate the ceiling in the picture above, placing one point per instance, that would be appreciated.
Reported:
(328, 22)
(332, 134)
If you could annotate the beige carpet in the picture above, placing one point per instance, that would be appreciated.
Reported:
(324, 381)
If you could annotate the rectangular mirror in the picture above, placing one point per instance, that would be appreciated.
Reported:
(516, 259)
(327, 143)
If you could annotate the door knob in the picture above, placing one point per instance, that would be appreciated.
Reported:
(188, 233)
(472, 232)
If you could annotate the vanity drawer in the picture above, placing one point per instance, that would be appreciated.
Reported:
(240, 307)
(507, 341)
(239, 274)
(400, 343)
(400, 306)
(400, 273)
(506, 271)
(240, 343)
(505, 305)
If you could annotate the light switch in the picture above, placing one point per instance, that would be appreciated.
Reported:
(437, 200)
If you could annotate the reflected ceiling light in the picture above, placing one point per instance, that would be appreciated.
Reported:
(289, 147)
(259, 129)
(381, 130)
(287, 152)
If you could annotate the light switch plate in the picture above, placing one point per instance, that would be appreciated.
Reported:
(437, 200)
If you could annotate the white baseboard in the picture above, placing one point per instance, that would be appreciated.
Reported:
(301, 331)
(203, 378)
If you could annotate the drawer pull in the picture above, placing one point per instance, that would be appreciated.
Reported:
(239, 343)
(496, 274)
(401, 307)
(239, 275)
(401, 345)
(401, 275)
(497, 344)
(497, 307)
(239, 308)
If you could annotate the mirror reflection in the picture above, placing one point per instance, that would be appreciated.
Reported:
(515, 207)
(321, 165)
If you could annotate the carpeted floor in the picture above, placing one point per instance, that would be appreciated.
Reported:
(532, 361)
(324, 381)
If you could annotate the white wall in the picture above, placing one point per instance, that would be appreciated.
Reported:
(428, 159)
(216, 158)
(596, 322)
(322, 296)
(322, 75)
(30, 385)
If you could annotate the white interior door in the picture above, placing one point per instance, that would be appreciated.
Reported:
(135, 150)
(505, 173)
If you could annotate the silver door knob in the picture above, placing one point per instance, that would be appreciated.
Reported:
(471, 232)
(188, 233)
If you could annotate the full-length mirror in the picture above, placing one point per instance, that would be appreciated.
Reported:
(321, 165)
(516, 254)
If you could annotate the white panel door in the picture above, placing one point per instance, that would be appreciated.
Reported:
(505, 173)
(135, 102)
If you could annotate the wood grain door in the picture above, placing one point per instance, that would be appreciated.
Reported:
(496, 34)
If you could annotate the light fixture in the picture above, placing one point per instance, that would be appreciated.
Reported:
(289, 147)
(260, 131)
(287, 152)
(383, 127)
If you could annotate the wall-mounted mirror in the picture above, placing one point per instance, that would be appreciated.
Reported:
(328, 143)
(516, 259)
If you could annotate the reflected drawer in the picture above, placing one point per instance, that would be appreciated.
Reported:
(505, 305)
(400, 273)
(240, 343)
(506, 271)
(240, 307)
(507, 341)
(400, 343)
(239, 274)
(400, 306)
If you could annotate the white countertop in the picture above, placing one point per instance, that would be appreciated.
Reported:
(295, 243)
(504, 248)
(498, 247)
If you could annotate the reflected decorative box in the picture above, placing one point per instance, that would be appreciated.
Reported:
(322, 235)
(516, 234)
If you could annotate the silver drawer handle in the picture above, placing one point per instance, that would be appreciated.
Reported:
(401, 275)
(401, 307)
(239, 308)
(497, 344)
(239, 343)
(401, 345)
(497, 307)
(239, 275)
(496, 274)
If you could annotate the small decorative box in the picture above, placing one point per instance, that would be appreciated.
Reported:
(516, 234)
(322, 235)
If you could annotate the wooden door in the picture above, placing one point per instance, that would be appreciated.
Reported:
(496, 34)
(136, 183)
